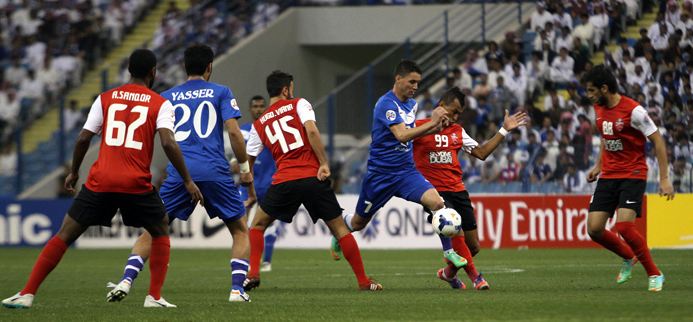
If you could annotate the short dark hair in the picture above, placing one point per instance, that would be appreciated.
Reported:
(599, 76)
(141, 62)
(276, 81)
(256, 98)
(405, 67)
(452, 94)
(197, 58)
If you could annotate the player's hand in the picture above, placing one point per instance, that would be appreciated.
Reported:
(323, 172)
(70, 182)
(246, 178)
(195, 193)
(248, 203)
(593, 174)
(438, 115)
(514, 121)
(666, 189)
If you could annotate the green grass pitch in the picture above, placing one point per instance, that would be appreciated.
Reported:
(306, 285)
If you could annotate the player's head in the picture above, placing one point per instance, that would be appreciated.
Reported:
(142, 66)
(257, 106)
(454, 103)
(198, 61)
(600, 83)
(280, 84)
(407, 79)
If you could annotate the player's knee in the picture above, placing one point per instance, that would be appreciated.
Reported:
(474, 249)
(595, 232)
(437, 204)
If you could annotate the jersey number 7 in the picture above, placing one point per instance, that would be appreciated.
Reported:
(280, 127)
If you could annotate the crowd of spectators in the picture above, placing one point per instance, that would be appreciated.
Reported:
(561, 143)
(45, 48)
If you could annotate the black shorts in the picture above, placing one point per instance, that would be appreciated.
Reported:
(98, 208)
(612, 194)
(461, 202)
(282, 200)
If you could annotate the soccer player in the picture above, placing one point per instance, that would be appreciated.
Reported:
(263, 169)
(391, 171)
(435, 156)
(622, 172)
(203, 108)
(288, 130)
(130, 116)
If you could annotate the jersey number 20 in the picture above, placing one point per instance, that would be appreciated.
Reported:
(125, 134)
(280, 127)
(197, 120)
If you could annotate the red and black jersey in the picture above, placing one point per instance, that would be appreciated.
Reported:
(435, 156)
(624, 129)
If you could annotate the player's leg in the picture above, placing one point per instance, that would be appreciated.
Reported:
(47, 260)
(133, 266)
(466, 244)
(352, 254)
(270, 238)
(418, 189)
(321, 203)
(630, 205)
(158, 262)
(89, 208)
(256, 236)
(602, 206)
(177, 203)
(147, 211)
(239, 258)
(376, 190)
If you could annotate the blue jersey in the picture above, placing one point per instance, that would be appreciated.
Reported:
(387, 154)
(263, 170)
(201, 109)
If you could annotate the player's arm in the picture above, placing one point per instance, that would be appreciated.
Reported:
(238, 147)
(404, 135)
(81, 148)
(597, 169)
(173, 153)
(307, 117)
(91, 126)
(665, 186)
(640, 120)
(253, 148)
(510, 123)
(316, 143)
(164, 126)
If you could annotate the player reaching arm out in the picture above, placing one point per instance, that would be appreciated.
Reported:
(510, 123)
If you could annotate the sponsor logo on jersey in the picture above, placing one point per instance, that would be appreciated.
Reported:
(454, 138)
(618, 125)
(613, 145)
(390, 115)
(440, 157)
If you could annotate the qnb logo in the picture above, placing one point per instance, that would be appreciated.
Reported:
(15, 229)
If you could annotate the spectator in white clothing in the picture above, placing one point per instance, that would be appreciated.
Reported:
(562, 68)
(584, 31)
(540, 18)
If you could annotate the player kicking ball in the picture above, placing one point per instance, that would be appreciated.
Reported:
(130, 116)
(288, 129)
(622, 171)
(391, 171)
(436, 157)
(201, 141)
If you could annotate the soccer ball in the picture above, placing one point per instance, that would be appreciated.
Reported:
(447, 222)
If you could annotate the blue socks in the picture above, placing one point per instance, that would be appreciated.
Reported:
(239, 269)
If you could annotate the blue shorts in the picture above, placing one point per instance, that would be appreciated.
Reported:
(378, 189)
(221, 200)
